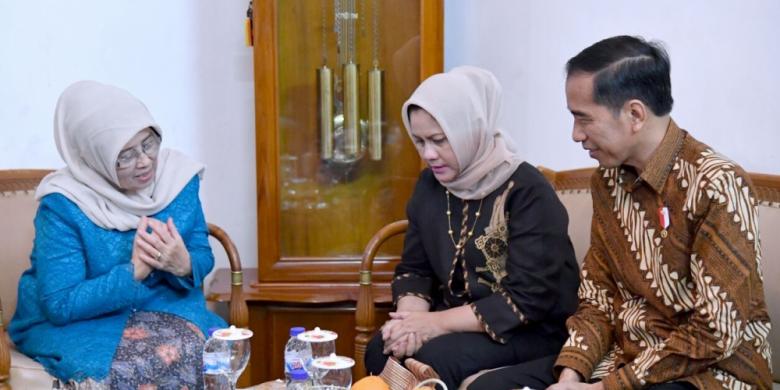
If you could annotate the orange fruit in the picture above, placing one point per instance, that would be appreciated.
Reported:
(371, 382)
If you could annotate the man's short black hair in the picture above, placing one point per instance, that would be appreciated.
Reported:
(625, 68)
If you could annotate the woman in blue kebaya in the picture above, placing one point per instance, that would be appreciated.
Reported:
(113, 294)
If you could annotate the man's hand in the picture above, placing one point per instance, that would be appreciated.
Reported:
(571, 380)
(576, 386)
(569, 375)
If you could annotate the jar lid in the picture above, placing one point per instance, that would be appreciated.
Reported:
(333, 362)
(232, 333)
(318, 336)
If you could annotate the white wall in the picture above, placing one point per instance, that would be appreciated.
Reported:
(724, 53)
(185, 59)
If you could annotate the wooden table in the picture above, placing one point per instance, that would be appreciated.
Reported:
(277, 384)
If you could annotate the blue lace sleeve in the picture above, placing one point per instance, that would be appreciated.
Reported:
(66, 292)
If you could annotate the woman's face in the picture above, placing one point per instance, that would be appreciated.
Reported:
(136, 164)
(433, 146)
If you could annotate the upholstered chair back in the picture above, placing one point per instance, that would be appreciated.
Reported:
(769, 230)
(17, 210)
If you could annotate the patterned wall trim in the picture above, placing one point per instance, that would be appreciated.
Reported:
(767, 186)
(574, 180)
(13, 180)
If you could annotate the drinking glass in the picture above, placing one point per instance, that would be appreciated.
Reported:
(238, 346)
(323, 344)
(333, 372)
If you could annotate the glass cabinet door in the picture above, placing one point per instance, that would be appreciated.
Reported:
(334, 161)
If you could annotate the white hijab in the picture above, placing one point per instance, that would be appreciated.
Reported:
(92, 123)
(466, 103)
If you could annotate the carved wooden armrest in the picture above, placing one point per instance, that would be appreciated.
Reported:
(239, 313)
(365, 311)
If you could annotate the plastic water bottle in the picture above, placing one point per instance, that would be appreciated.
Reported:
(299, 380)
(297, 353)
(216, 363)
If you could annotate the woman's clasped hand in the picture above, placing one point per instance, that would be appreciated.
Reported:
(407, 331)
(158, 245)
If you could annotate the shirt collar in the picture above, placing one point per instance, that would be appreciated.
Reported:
(660, 164)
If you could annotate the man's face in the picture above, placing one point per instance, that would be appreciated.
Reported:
(607, 137)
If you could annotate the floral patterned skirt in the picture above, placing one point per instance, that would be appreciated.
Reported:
(157, 351)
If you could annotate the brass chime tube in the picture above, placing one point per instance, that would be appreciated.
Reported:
(375, 113)
(351, 124)
(326, 112)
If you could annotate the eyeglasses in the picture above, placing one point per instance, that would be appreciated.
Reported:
(150, 146)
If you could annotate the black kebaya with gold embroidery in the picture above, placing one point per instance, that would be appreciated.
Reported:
(517, 269)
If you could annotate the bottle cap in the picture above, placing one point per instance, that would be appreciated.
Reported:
(232, 334)
(333, 362)
(296, 330)
(211, 331)
(318, 336)
(299, 374)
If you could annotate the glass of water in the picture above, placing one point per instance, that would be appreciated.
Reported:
(238, 346)
(323, 344)
(333, 372)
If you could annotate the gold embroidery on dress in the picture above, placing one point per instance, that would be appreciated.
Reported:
(494, 243)
(485, 325)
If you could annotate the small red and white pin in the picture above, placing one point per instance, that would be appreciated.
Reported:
(663, 219)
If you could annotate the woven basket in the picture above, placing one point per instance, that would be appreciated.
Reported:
(432, 382)
(414, 374)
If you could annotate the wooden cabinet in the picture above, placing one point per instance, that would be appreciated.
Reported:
(324, 190)
(275, 321)
(276, 307)
(315, 213)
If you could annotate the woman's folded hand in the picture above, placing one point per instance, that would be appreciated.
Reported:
(164, 247)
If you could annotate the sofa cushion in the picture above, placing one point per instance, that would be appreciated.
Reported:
(769, 225)
(28, 374)
(17, 209)
(579, 206)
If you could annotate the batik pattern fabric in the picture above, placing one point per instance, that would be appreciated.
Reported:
(677, 299)
(158, 351)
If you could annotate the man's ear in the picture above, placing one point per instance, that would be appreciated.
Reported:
(637, 114)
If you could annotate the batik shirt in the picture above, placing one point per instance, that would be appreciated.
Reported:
(671, 286)
(517, 269)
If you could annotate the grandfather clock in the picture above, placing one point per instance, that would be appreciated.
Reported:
(334, 163)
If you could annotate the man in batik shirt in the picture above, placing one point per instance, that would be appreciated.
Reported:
(672, 293)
